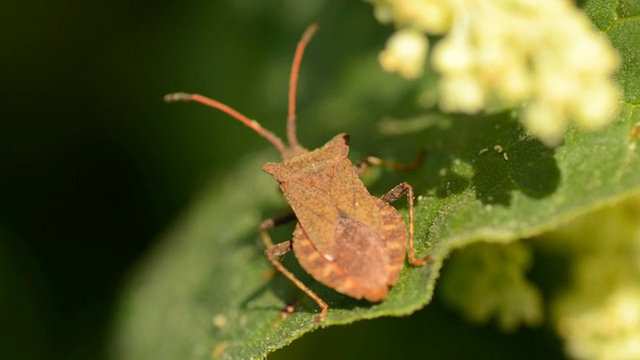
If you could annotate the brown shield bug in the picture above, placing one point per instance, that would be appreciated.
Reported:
(345, 238)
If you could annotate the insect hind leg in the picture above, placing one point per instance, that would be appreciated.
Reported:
(393, 195)
(275, 252)
(272, 223)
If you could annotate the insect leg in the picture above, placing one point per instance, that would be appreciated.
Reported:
(271, 223)
(372, 160)
(274, 253)
(393, 195)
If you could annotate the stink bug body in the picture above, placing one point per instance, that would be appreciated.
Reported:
(345, 238)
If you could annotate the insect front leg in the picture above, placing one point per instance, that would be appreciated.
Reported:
(393, 195)
(372, 160)
(274, 253)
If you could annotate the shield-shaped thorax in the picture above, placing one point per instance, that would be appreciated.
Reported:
(323, 189)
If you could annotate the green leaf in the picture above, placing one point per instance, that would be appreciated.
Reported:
(207, 291)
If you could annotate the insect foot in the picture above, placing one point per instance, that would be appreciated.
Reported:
(345, 238)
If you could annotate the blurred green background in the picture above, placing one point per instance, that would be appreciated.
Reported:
(94, 165)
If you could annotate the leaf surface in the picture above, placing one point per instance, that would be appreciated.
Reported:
(207, 291)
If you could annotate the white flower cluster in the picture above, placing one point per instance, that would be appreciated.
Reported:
(544, 57)
(608, 331)
(485, 281)
(597, 312)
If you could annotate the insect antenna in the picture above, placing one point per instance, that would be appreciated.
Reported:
(293, 85)
(254, 125)
(294, 146)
